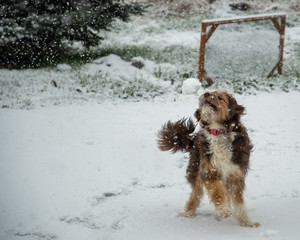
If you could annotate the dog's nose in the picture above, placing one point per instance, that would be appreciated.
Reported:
(206, 95)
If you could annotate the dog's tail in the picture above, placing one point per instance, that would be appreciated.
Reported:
(177, 136)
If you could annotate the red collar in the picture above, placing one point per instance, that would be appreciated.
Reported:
(217, 132)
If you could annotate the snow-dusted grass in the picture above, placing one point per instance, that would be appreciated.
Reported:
(168, 49)
(95, 172)
(103, 79)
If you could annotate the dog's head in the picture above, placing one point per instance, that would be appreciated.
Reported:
(218, 107)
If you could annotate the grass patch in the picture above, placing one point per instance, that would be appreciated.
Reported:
(175, 54)
(290, 80)
(190, 23)
(104, 85)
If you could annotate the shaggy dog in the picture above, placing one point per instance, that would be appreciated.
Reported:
(219, 154)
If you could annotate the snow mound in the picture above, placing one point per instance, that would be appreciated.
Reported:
(120, 69)
(110, 64)
(63, 67)
(190, 86)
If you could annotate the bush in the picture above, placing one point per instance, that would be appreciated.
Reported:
(42, 32)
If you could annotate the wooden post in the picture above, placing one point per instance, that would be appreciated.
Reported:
(202, 52)
(281, 44)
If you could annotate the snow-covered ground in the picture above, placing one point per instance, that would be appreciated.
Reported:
(93, 171)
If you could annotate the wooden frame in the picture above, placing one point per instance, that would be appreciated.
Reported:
(214, 23)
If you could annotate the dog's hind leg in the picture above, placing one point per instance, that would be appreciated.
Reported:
(194, 200)
(235, 185)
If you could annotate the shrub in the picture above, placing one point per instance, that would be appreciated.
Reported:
(42, 32)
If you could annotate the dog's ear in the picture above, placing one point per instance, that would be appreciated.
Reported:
(239, 109)
(197, 115)
(234, 108)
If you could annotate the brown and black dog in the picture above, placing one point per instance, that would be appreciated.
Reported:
(219, 154)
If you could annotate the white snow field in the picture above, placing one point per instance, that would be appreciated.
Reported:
(79, 162)
(93, 171)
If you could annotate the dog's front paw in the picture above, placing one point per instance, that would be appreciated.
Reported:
(224, 211)
(190, 213)
(225, 214)
(250, 224)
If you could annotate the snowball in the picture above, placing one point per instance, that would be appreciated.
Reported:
(63, 67)
(190, 86)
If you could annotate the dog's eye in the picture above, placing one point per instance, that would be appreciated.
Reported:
(221, 99)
